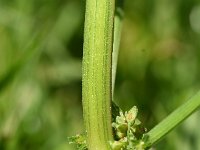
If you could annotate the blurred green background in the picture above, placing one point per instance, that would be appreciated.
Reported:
(40, 69)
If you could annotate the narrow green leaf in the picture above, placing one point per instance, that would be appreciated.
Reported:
(117, 36)
(174, 119)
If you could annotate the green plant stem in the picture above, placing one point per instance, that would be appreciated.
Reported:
(172, 120)
(116, 42)
(97, 61)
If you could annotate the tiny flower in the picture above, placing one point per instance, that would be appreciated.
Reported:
(131, 115)
(117, 145)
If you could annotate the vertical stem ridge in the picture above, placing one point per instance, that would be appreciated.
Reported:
(97, 64)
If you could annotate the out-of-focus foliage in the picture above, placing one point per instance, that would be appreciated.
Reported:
(40, 69)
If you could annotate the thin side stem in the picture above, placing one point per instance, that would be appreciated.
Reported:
(97, 64)
(175, 118)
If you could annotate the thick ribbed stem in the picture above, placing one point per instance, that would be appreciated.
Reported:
(97, 58)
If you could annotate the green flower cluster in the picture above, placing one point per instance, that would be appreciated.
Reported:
(79, 140)
(128, 131)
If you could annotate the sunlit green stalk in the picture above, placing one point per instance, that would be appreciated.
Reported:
(175, 118)
(97, 63)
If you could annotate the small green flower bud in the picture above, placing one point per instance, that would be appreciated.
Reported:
(131, 115)
(122, 128)
(120, 135)
(117, 145)
(120, 119)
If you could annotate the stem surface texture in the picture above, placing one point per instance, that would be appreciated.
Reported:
(97, 64)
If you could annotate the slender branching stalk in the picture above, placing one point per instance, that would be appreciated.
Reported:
(97, 62)
(174, 119)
